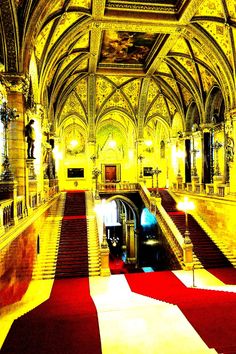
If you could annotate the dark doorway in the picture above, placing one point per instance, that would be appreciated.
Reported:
(207, 157)
(188, 161)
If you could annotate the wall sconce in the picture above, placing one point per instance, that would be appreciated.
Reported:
(148, 144)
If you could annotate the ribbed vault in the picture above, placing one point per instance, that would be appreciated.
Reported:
(147, 60)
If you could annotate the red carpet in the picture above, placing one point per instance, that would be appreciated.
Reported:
(74, 217)
(204, 248)
(226, 275)
(72, 260)
(118, 266)
(211, 313)
(65, 324)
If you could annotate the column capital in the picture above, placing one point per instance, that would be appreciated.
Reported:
(232, 114)
(15, 82)
(3, 91)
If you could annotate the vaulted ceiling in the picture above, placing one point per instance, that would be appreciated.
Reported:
(150, 58)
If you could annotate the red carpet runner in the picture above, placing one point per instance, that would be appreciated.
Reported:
(72, 260)
(211, 313)
(205, 249)
(65, 324)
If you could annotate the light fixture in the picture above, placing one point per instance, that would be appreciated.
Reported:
(186, 206)
(111, 142)
(73, 142)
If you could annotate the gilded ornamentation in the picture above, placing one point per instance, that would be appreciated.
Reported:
(10, 39)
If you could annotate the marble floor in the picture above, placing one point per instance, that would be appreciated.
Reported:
(129, 323)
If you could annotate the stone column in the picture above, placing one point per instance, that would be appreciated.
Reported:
(91, 162)
(122, 221)
(16, 143)
(131, 242)
(140, 158)
(231, 133)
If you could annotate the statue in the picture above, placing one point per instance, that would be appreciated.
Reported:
(30, 135)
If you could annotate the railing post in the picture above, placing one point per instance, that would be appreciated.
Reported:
(105, 269)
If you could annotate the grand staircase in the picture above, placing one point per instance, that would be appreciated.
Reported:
(69, 244)
(73, 259)
(206, 251)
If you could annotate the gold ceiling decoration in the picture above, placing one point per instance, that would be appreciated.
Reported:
(123, 54)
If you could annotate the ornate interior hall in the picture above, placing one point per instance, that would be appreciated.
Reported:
(122, 188)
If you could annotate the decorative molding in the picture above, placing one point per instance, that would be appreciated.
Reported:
(11, 64)
(16, 83)
(138, 6)
(98, 8)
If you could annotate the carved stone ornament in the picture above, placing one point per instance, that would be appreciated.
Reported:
(16, 83)
(229, 150)
(228, 126)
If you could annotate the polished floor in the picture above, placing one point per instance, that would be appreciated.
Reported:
(128, 322)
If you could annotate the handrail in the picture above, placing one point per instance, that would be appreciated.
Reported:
(172, 234)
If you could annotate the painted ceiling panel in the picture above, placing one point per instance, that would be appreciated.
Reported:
(132, 92)
(231, 8)
(127, 41)
(126, 47)
(210, 8)
(82, 92)
(42, 40)
(118, 101)
(104, 88)
(220, 34)
(64, 23)
(152, 91)
(81, 3)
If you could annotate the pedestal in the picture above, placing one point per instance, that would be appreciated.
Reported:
(195, 181)
(216, 181)
(188, 256)
(105, 269)
(179, 180)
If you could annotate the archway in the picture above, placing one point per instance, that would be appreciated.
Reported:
(122, 223)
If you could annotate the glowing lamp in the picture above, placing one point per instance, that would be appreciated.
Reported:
(186, 206)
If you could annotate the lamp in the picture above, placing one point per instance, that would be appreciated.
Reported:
(216, 147)
(186, 206)
(194, 152)
(148, 143)
(156, 172)
(6, 115)
(141, 157)
(96, 172)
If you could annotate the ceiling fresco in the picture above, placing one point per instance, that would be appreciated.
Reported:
(126, 47)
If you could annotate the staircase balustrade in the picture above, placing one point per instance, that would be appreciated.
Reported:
(119, 186)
